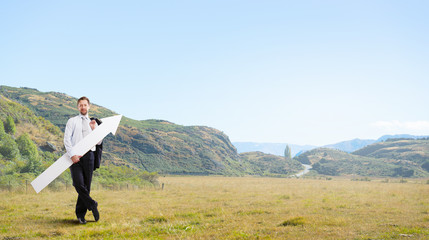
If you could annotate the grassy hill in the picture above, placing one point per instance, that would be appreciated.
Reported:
(33, 143)
(162, 146)
(334, 162)
(165, 147)
(21, 139)
(40, 130)
(151, 145)
(415, 150)
(258, 163)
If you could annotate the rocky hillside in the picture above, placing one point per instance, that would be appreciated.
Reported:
(29, 144)
(45, 134)
(162, 146)
(152, 145)
(165, 147)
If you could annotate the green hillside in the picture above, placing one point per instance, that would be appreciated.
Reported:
(258, 163)
(40, 130)
(22, 134)
(151, 145)
(413, 150)
(29, 144)
(157, 145)
(335, 163)
(164, 147)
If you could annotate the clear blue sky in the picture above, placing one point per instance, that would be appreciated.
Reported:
(299, 72)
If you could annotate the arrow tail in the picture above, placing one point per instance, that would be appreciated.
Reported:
(51, 173)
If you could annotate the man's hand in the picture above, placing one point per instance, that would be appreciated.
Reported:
(75, 158)
(93, 124)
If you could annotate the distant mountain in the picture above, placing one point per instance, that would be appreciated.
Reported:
(346, 146)
(270, 148)
(355, 144)
(400, 136)
(351, 145)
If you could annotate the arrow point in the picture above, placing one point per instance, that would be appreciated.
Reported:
(117, 120)
(112, 122)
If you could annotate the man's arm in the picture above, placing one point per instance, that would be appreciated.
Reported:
(68, 134)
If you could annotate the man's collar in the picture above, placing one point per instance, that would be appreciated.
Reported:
(85, 116)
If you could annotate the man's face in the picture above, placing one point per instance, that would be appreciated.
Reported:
(83, 107)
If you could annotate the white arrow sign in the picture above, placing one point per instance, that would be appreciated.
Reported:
(110, 124)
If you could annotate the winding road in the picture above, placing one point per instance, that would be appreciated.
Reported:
(305, 171)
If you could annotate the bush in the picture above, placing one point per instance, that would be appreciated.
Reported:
(27, 147)
(2, 131)
(8, 148)
(293, 222)
(113, 176)
(9, 125)
(403, 172)
(156, 219)
(425, 165)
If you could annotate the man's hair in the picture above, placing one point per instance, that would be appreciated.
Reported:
(83, 98)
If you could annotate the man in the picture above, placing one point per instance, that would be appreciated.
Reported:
(81, 171)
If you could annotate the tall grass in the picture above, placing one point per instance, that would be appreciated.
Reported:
(228, 208)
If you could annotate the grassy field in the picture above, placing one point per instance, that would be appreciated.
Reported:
(228, 208)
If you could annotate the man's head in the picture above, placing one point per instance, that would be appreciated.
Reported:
(83, 105)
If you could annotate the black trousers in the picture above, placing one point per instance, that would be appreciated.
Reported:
(81, 174)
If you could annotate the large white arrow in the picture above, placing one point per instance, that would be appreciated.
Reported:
(110, 124)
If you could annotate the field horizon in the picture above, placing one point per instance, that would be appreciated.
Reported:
(212, 207)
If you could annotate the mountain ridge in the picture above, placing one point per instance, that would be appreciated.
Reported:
(152, 145)
(346, 146)
(271, 148)
(161, 146)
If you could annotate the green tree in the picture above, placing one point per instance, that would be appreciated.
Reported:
(32, 166)
(2, 132)
(9, 125)
(425, 165)
(288, 154)
(9, 148)
(28, 150)
(27, 147)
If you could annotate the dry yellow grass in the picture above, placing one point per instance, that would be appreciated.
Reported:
(229, 208)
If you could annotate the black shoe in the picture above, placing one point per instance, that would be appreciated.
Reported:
(81, 220)
(95, 212)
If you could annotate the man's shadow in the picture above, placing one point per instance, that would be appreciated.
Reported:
(67, 222)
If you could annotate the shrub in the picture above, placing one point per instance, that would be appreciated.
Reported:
(2, 131)
(425, 165)
(9, 125)
(154, 220)
(293, 222)
(27, 147)
(403, 180)
(9, 148)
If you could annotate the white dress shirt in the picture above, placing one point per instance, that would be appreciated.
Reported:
(73, 133)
